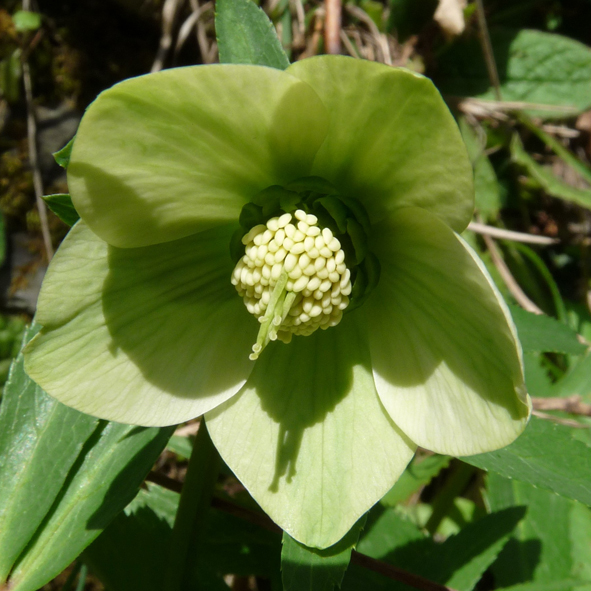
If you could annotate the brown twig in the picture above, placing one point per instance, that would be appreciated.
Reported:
(169, 12)
(261, 520)
(510, 234)
(508, 278)
(332, 26)
(559, 420)
(573, 404)
(33, 155)
(487, 49)
(379, 40)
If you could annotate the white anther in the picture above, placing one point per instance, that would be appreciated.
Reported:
(313, 231)
(339, 257)
(313, 253)
(297, 248)
(327, 235)
(307, 306)
(284, 220)
(319, 263)
(266, 237)
(346, 290)
(341, 267)
(249, 236)
(291, 260)
(276, 271)
(266, 271)
(334, 244)
(331, 265)
(314, 284)
(273, 246)
(315, 311)
(270, 259)
(280, 255)
(322, 274)
(304, 260)
(308, 243)
(334, 277)
(273, 224)
(295, 273)
(280, 236)
(299, 236)
(345, 279)
(326, 252)
(310, 270)
(319, 242)
(290, 230)
(300, 284)
(303, 227)
(261, 252)
(325, 285)
(288, 243)
(306, 293)
(318, 294)
(300, 215)
(311, 219)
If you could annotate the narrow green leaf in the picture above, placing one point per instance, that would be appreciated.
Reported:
(558, 148)
(546, 178)
(25, 20)
(62, 157)
(546, 456)
(10, 76)
(553, 586)
(246, 35)
(104, 479)
(416, 475)
(317, 570)
(539, 333)
(40, 440)
(61, 204)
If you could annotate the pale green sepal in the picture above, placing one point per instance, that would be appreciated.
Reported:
(308, 436)
(149, 336)
(446, 359)
(392, 141)
(166, 155)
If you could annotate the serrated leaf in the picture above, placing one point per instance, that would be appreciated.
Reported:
(25, 20)
(417, 474)
(40, 439)
(62, 157)
(317, 570)
(547, 179)
(543, 334)
(61, 204)
(546, 456)
(534, 67)
(459, 562)
(104, 479)
(246, 35)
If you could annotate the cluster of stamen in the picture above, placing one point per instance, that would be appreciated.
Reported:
(292, 277)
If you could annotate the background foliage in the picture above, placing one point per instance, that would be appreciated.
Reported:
(74, 498)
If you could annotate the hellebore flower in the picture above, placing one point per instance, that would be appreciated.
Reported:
(142, 322)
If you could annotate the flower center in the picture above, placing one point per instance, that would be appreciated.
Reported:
(292, 277)
(301, 259)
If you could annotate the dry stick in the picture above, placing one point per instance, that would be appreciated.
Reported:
(332, 26)
(169, 11)
(558, 420)
(33, 156)
(509, 280)
(489, 57)
(572, 404)
(510, 234)
(261, 520)
(478, 106)
(380, 41)
(348, 45)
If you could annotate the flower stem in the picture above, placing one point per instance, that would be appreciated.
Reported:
(190, 521)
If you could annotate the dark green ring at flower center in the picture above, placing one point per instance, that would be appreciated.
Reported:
(344, 216)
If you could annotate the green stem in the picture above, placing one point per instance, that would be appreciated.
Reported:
(455, 484)
(190, 522)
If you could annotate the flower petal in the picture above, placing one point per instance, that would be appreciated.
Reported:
(445, 355)
(392, 142)
(148, 336)
(308, 436)
(166, 155)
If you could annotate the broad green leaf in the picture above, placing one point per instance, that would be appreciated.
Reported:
(246, 35)
(486, 186)
(547, 179)
(546, 456)
(25, 20)
(182, 446)
(537, 378)
(61, 204)
(40, 439)
(540, 549)
(580, 538)
(317, 570)
(577, 381)
(62, 157)
(533, 66)
(540, 333)
(105, 478)
(417, 474)
(459, 562)
(553, 586)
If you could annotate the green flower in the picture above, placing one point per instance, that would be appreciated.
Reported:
(142, 324)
